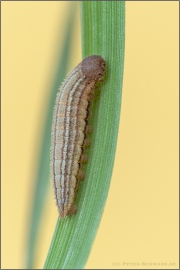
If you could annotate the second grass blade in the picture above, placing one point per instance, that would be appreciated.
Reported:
(42, 175)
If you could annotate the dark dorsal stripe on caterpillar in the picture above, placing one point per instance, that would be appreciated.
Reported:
(69, 130)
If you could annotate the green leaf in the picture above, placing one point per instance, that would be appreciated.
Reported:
(103, 29)
(43, 176)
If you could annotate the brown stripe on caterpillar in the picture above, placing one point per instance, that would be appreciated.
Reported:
(70, 128)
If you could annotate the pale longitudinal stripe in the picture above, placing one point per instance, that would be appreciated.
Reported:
(69, 130)
(54, 134)
(64, 181)
(74, 141)
(65, 161)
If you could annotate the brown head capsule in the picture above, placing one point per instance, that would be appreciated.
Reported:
(69, 136)
(93, 67)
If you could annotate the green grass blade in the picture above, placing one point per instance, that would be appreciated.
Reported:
(43, 176)
(103, 26)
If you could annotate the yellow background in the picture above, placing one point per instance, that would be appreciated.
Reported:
(140, 221)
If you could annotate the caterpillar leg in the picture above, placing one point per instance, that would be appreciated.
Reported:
(86, 143)
(83, 158)
(73, 210)
(80, 175)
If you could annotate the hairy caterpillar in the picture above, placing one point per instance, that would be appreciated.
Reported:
(70, 128)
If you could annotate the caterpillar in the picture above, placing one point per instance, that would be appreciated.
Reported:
(70, 128)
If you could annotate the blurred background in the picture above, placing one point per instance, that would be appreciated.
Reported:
(139, 228)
